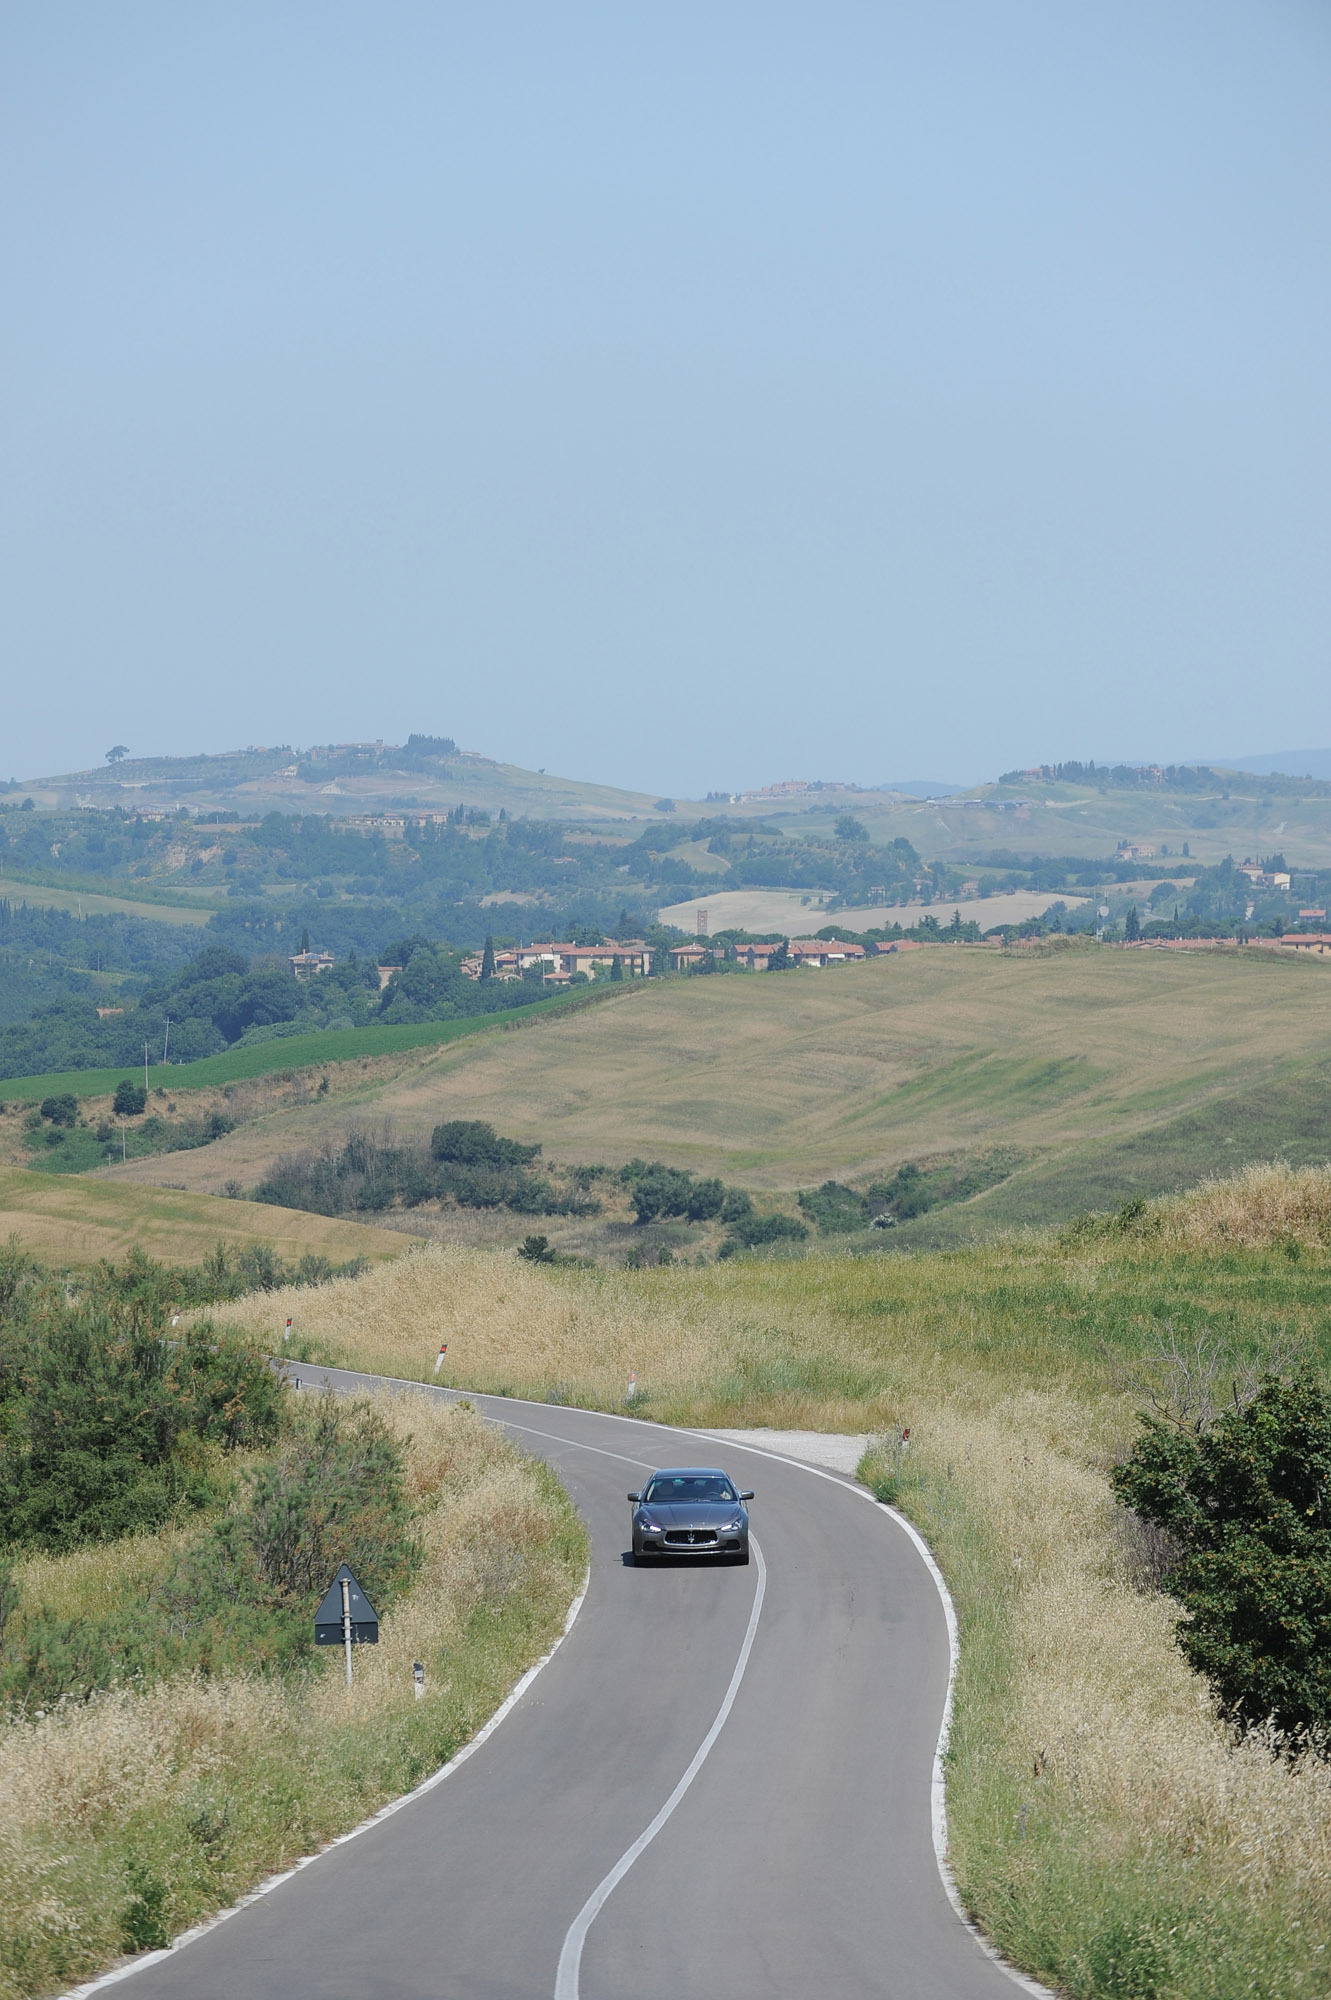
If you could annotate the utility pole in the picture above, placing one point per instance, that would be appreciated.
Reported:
(145, 1069)
(166, 1040)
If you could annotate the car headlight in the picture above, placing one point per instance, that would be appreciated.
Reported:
(649, 1528)
(731, 1526)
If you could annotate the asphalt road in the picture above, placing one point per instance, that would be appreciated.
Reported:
(797, 1864)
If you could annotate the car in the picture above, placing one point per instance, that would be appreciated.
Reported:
(690, 1510)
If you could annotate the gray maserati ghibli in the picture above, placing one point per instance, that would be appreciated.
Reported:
(690, 1510)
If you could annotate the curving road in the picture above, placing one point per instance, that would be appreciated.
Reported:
(790, 1709)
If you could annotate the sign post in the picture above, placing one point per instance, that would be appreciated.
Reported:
(346, 1621)
(346, 1617)
(439, 1361)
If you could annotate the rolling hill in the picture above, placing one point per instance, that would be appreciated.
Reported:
(1097, 1074)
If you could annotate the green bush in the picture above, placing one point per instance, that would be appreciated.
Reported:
(1247, 1501)
(241, 1594)
(756, 1231)
(130, 1099)
(109, 1424)
(470, 1142)
(60, 1110)
(834, 1209)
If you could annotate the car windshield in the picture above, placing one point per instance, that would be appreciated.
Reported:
(690, 1486)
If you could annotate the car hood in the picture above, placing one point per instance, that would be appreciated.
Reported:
(693, 1513)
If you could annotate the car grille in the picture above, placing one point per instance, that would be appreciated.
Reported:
(690, 1538)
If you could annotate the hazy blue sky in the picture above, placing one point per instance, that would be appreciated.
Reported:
(686, 396)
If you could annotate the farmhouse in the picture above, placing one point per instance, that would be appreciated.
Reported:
(557, 963)
(824, 951)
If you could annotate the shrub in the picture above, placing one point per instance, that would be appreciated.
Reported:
(60, 1110)
(1248, 1502)
(833, 1208)
(106, 1420)
(130, 1099)
(661, 1191)
(241, 1595)
(755, 1231)
(471, 1142)
(536, 1250)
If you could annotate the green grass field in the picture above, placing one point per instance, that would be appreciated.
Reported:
(159, 907)
(1105, 1073)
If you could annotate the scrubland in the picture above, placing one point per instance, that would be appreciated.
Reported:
(134, 1813)
(1105, 1828)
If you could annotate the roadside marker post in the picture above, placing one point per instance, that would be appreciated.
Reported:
(418, 1680)
(346, 1622)
(346, 1617)
(633, 1385)
(286, 1331)
(439, 1358)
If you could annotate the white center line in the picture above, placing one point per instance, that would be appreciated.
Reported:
(570, 1958)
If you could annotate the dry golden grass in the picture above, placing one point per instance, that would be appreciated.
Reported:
(74, 1219)
(210, 1783)
(1261, 1208)
(1082, 1732)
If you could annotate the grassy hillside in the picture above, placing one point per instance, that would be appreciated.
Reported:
(160, 908)
(342, 780)
(331, 1046)
(77, 1221)
(1241, 814)
(1105, 1073)
(1105, 1827)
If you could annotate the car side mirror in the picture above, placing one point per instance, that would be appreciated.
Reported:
(635, 1496)
(748, 1495)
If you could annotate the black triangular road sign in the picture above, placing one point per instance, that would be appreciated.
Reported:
(328, 1618)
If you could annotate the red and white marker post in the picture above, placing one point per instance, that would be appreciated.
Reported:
(439, 1358)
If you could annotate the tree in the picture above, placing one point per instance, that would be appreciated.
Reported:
(1247, 1502)
(536, 1250)
(616, 967)
(130, 1099)
(665, 805)
(61, 1110)
(117, 753)
(780, 958)
(305, 940)
(850, 828)
(1132, 929)
(488, 959)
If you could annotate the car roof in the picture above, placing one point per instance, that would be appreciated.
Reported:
(689, 1472)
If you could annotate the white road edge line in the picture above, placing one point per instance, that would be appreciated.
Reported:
(570, 1958)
